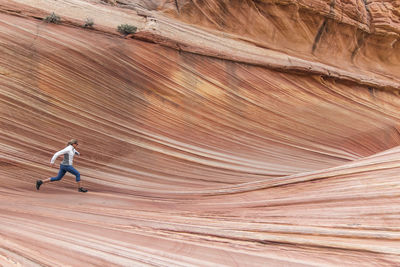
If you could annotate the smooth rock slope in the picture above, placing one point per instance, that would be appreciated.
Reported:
(222, 133)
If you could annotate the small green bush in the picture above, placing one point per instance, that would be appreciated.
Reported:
(52, 18)
(126, 29)
(88, 23)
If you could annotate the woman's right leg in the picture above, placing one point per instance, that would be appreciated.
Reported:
(60, 175)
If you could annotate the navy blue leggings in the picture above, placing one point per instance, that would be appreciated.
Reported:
(63, 170)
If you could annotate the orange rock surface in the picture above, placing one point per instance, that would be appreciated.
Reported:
(222, 133)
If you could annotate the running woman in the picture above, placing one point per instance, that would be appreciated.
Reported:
(66, 165)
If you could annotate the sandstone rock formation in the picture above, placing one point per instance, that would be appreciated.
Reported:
(222, 133)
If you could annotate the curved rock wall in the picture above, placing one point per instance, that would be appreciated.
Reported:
(350, 34)
(190, 160)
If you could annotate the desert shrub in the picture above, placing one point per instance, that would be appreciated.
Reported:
(126, 29)
(88, 23)
(52, 18)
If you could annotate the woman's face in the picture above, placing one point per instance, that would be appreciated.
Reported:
(75, 145)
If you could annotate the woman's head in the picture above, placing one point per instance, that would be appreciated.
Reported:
(73, 142)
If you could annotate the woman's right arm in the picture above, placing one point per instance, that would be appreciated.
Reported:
(57, 154)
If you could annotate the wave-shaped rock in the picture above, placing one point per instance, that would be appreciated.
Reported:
(203, 143)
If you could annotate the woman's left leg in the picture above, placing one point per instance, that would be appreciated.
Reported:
(78, 178)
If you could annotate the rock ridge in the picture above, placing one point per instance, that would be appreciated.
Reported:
(156, 28)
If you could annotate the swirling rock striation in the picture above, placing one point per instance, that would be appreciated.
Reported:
(198, 152)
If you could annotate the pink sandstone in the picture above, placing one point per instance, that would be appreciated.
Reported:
(222, 133)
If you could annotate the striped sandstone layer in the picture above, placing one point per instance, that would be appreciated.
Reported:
(198, 148)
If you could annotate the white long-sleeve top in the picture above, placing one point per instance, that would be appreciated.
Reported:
(68, 152)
